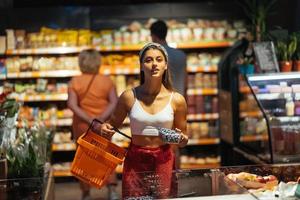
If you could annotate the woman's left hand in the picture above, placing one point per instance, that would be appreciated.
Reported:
(184, 138)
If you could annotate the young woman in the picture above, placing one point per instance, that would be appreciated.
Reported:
(89, 98)
(153, 103)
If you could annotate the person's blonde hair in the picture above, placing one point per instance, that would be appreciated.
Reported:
(89, 61)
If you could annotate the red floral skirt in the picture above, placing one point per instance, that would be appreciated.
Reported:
(148, 173)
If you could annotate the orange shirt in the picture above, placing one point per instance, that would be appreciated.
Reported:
(95, 100)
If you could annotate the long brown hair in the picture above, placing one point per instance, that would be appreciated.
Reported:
(166, 79)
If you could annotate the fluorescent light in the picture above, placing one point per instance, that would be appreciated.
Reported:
(277, 76)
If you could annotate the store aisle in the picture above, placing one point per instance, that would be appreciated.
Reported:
(71, 191)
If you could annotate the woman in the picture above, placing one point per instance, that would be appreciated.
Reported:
(153, 103)
(89, 98)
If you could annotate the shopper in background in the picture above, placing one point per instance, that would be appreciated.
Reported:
(90, 96)
(176, 64)
(177, 58)
(153, 103)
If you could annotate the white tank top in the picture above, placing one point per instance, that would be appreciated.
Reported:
(141, 120)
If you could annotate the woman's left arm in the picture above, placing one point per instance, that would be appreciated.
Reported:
(180, 112)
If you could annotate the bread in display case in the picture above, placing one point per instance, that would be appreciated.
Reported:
(278, 96)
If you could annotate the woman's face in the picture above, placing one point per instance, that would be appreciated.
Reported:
(154, 63)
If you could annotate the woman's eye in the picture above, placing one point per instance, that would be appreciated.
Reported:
(159, 59)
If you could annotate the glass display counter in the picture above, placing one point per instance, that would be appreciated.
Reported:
(278, 96)
(241, 182)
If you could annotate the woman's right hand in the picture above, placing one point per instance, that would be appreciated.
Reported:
(107, 130)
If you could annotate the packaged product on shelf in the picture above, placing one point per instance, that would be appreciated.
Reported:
(2, 44)
(198, 80)
(41, 85)
(191, 81)
(84, 37)
(199, 103)
(126, 37)
(198, 33)
(135, 37)
(106, 38)
(20, 36)
(117, 38)
(10, 39)
(144, 35)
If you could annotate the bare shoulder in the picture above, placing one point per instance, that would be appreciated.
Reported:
(178, 101)
(127, 98)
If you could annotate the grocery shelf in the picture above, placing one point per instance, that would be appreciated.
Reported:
(105, 69)
(253, 138)
(250, 114)
(41, 74)
(209, 68)
(118, 70)
(207, 116)
(135, 47)
(203, 91)
(202, 44)
(64, 122)
(204, 141)
(48, 50)
(62, 173)
(41, 97)
(57, 122)
(64, 147)
(199, 166)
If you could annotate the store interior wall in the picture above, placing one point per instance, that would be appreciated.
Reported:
(111, 16)
(32, 14)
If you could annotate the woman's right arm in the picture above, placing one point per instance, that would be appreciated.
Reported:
(123, 107)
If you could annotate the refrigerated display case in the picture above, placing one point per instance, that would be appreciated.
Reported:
(243, 128)
(278, 96)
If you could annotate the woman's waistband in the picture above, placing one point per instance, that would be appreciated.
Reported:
(162, 147)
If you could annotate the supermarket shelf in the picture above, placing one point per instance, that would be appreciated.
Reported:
(49, 50)
(250, 114)
(192, 69)
(40, 74)
(208, 116)
(62, 173)
(199, 166)
(118, 70)
(137, 47)
(67, 172)
(64, 147)
(42, 97)
(204, 91)
(253, 138)
(57, 122)
(64, 122)
(105, 69)
(202, 44)
(204, 141)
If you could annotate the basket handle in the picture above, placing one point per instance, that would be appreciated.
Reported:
(114, 128)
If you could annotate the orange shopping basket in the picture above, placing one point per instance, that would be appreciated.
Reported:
(96, 157)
